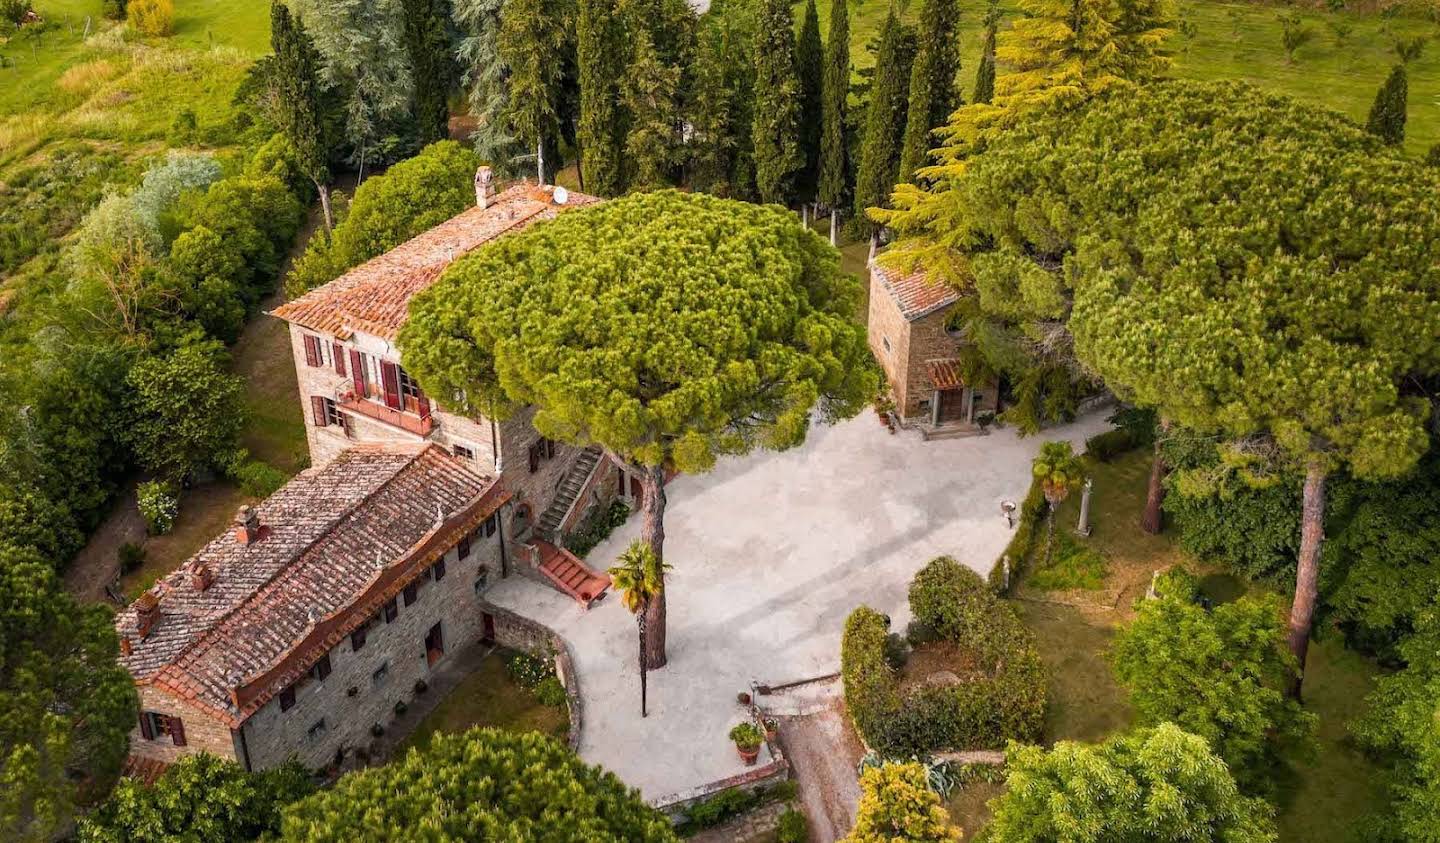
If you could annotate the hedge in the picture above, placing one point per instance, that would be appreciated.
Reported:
(1032, 514)
(1110, 444)
(1006, 703)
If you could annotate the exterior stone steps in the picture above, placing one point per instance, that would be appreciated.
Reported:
(567, 573)
(569, 488)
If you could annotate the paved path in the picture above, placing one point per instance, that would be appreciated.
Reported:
(770, 553)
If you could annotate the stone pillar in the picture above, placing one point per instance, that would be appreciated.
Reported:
(1084, 527)
(970, 404)
(935, 409)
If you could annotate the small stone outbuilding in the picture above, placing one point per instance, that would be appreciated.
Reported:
(908, 334)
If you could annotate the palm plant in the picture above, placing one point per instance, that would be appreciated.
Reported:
(639, 577)
(1059, 471)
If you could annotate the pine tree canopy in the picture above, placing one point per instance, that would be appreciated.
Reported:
(667, 327)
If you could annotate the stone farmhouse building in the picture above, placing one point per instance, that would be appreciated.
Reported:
(918, 353)
(299, 631)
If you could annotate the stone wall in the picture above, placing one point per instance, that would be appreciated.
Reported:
(203, 732)
(521, 633)
(889, 335)
(353, 698)
(532, 491)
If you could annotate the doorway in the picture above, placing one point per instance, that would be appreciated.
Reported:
(487, 628)
(434, 644)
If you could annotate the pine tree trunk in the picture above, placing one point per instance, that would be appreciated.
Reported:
(540, 161)
(1155, 495)
(1307, 573)
(652, 532)
(324, 191)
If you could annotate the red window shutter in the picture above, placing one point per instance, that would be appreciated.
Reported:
(147, 730)
(357, 373)
(390, 378)
(339, 354)
(177, 731)
(423, 405)
(312, 350)
(317, 411)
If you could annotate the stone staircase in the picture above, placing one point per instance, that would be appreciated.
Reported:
(570, 488)
(569, 575)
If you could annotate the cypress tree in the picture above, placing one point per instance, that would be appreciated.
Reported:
(427, 44)
(531, 39)
(834, 170)
(651, 143)
(810, 70)
(483, 74)
(775, 122)
(933, 93)
(985, 75)
(884, 121)
(1387, 115)
(600, 132)
(297, 92)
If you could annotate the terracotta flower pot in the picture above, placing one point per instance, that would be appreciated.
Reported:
(748, 754)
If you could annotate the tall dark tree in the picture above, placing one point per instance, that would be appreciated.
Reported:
(427, 42)
(885, 120)
(1387, 114)
(810, 71)
(598, 41)
(985, 74)
(649, 97)
(835, 90)
(532, 36)
(775, 126)
(295, 77)
(933, 92)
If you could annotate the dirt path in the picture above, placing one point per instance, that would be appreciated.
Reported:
(97, 564)
(823, 752)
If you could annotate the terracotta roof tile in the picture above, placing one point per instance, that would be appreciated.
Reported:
(332, 539)
(915, 294)
(373, 297)
(944, 374)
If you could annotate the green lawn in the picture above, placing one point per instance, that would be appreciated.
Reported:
(1242, 41)
(488, 697)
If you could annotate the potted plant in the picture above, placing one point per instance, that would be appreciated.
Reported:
(747, 737)
(772, 728)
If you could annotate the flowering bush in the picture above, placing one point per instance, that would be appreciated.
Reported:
(159, 505)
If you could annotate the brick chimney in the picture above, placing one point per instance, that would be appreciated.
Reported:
(247, 525)
(201, 576)
(147, 613)
(484, 187)
(126, 648)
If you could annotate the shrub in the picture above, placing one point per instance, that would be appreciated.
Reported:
(528, 671)
(14, 11)
(952, 600)
(183, 129)
(1109, 445)
(182, 410)
(897, 650)
(259, 479)
(132, 557)
(550, 692)
(793, 827)
(723, 806)
(596, 528)
(154, 18)
(159, 505)
(1031, 515)
(113, 9)
(747, 735)
(898, 804)
(870, 692)
(920, 633)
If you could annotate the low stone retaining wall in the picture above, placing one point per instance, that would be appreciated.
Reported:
(521, 633)
(676, 805)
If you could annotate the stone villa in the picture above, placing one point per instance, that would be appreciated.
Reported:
(297, 633)
(908, 335)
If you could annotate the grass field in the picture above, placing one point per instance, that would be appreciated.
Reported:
(1242, 41)
(489, 697)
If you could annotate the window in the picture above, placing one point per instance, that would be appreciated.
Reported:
(316, 730)
(321, 669)
(437, 571)
(357, 639)
(314, 351)
(487, 529)
(380, 673)
(287, 698)
(324, 412)
(411, 592)
(885, 341)
(155, 726)
(463, 452)
(391, 612)
(462, 550)
(409, 389)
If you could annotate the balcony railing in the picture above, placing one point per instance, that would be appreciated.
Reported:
(407, 421)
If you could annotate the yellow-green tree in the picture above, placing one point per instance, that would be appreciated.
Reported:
(896, 803)
(669, 328)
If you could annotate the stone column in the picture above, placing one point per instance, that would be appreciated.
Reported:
(1084, 527)
(970, 404)
(935, 409)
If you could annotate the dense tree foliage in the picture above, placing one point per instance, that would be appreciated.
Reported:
(984, 91)
(413, 196)
(66, 704)
(599, 34)
(481, 784)
(1387, 114)
(427, 45)
(200, 797)
(720, 103)
(483, 76)
(834, 165)
(650, 97)
(1401, 728)
(531, 35)
(294, 78)
(933, 91)
(810, 78)
(680, 328)
(1158, 785)
(1219, 674)
(885, 119)
(184, 411)
(779, 156)
(896, 803)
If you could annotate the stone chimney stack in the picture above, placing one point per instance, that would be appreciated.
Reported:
(147, 613)
(247, 525)
(201, 576)
(484, 187)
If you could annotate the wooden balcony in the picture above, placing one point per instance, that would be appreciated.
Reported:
(375, 411)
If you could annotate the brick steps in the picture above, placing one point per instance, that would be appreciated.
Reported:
(571, 576)
(569, 489)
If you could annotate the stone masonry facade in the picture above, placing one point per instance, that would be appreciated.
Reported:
(902, 347)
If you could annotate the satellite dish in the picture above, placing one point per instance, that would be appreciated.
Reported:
(561, 196)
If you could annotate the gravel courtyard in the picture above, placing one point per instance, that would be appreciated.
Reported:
(770, 553)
